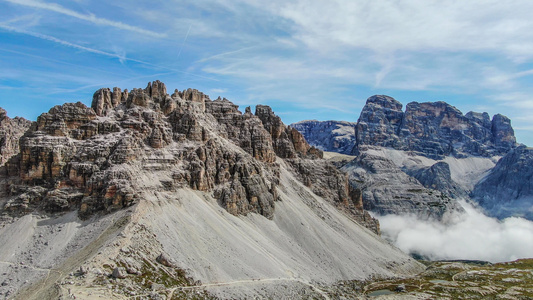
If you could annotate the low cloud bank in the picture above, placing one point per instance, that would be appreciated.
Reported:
(472, 236)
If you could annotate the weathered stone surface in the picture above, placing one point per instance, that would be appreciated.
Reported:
(332, 136)
(156, 90)
(438, 177)
(508, 189)
(433, 129)
(503, 133)
(245, 130)
(380, 122)
(164, 260)
(102, 101)
(119, 273)
(98, 159)
(10, 132)
(325, 180)
(287, 142)
(71, 120)
(388, 190)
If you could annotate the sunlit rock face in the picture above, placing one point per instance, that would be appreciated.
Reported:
(433, 129)
(10, 132)
(86, 158)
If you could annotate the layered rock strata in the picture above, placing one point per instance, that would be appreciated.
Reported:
(88, 158)
(332, 136)
(386, 189)
(438, 177)
(508, 188)
(433, 129)
(10, 132)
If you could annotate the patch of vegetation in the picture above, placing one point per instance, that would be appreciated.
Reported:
(450, 280)
(468, 280)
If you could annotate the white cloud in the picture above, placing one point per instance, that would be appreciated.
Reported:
(474, 236)
(58, 41)
(120, 56)
(218, 91)
(417, 25)
(86, 17)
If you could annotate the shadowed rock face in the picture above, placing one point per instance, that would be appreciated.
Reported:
(380, 122)
(433, 129)
(438, 177)
(76, 157)
(332, 136)
(508, 189)
(502, 133)
(386, 189)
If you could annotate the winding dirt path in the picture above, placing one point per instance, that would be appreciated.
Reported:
(236, 282)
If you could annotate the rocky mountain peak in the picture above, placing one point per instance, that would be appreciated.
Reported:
(334, 136)
(104, 100)
(156, 90)
(379, 122)
(384, 102)
(433, 129)
(288, 142)
(3, 114)
(100, 158)
(502, 132)
(483, 119)
(10, 132)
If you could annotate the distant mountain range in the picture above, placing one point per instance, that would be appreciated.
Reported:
(421, 160)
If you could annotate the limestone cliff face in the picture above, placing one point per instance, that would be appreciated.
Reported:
(433, 129)
(380, 123)
(438, 177)
(10, 132)
(386, 189)
(95, 159)
(332, 136)
(508, 188)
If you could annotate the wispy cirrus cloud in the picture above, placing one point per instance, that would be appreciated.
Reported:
(58, 41)
(86, 17)
(120, 56)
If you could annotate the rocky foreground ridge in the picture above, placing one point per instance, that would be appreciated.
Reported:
(78, 157)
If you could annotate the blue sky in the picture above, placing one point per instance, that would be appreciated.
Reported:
(307, 59)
